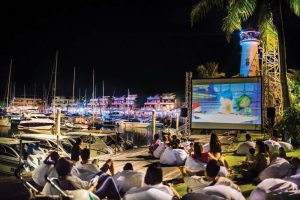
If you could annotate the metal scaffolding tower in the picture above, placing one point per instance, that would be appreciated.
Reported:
(188, 101)
(272, 93)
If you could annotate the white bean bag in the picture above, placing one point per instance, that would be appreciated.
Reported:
(278, 168)
(273, 146)
(181, 156)
(39, 173)
(287, 146)
(271, 185)
(128, 179)
(147, 193)
(243, 149)
(295, 179)
(223, 192)
(194, 165)
(168, 157)
(159, 150)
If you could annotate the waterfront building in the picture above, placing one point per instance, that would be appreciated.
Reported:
(23, 104)
(65, 104)
(130, 102)
(165, 102)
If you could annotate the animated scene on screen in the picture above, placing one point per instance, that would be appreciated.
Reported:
(234, 103)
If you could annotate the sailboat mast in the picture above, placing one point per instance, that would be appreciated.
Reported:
(54, 86)
(8, 85)
(103, 93)
(73, 97)
(93, 104)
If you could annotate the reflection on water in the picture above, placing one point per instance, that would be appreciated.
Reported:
(139, 136)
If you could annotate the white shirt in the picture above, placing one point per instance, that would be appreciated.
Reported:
(159, 150)
(196, 183)
(85, 171)
(128, 179)
(150, 192)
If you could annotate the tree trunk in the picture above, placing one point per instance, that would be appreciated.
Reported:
(278, 22)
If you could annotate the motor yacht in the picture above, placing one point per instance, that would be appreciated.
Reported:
(11, 155)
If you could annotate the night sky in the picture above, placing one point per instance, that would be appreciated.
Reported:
(143, 46)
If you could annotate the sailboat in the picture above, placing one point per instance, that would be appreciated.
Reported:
(4, 120)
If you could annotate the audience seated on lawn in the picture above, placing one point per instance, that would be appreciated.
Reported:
(216, 150)
(260, 162)
(243, 149)
(86, 170)
(47, 168)
(196, 182)
(161, 147)
(278, 168)
(102, 185)
(154, 188)
(128, 178)
(272, 185)
(173, 155)
(154, 144)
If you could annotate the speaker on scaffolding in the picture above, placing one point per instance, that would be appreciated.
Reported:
(271, 115)
(271, 112)
(183, 112)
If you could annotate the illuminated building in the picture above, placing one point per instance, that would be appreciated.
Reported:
(249, 41)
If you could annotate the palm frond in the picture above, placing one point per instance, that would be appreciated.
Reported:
(269, 36)
(201, 9)
(295, 6)
(238, 12)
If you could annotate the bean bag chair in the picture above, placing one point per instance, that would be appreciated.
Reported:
(278, 168)
(243, 149)
(181, 156)
(197, 196)
(223, 192)
(128, 179)
(39, 173)
(271, 185)
(273, 146)
(293, 195)
(148, 193)
(168, 157)
(159, 150)
(294, 179)
(194, 165)
(287, 146)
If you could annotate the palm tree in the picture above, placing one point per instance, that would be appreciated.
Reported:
(293, 77)
(209, 70)
(270, 22)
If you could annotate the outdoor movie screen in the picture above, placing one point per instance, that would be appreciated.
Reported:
(234, 103)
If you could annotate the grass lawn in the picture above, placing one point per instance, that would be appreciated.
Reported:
(234, 162)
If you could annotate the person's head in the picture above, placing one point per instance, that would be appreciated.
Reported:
(198, 149)
(212, 168)
(128, 166)
(192, 145)
(54, 156)
(64, 166)
(78, 141)
(252, 151)
(153, 175)
(282, 152)
(174, 137)
(156, 136)
(275, 135)
(248, 137)
(260, 147)
(165, 138)
(183, 139)
(215, 144)
(85, 154)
